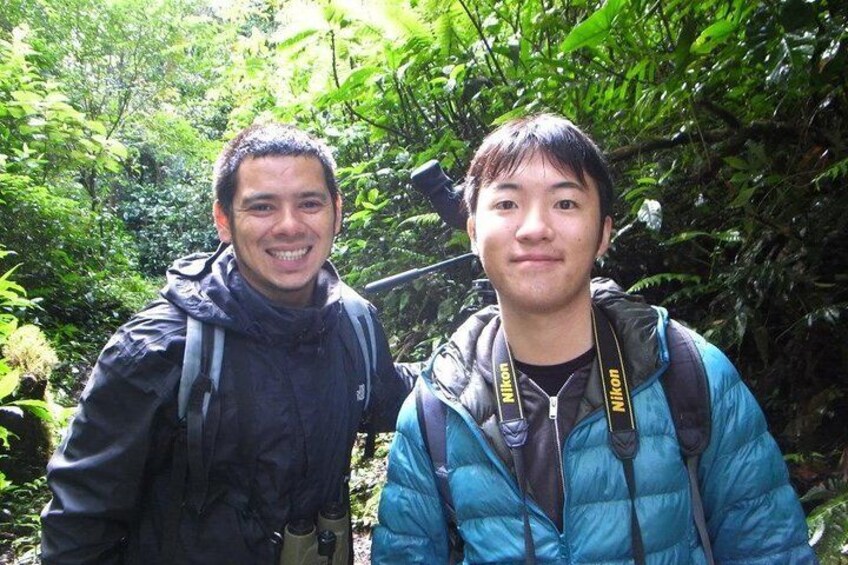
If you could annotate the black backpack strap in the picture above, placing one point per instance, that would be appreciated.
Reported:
(687, 391)
(685, 385)
(196, 411)
(432, 420)
(358, 312)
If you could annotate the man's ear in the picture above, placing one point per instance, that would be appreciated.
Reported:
(338, 220)
(471, 228)
(222, 223)
(603, 244)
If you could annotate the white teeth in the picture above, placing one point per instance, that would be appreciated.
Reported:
(290, 255)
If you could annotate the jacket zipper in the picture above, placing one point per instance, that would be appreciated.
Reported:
(552, 414)
(553, 404)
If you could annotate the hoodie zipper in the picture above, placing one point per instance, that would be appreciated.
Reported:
(553, 412)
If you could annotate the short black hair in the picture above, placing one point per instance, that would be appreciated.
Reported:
(268, 140)
(550, 135)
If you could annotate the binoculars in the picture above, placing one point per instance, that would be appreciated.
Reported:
(326, 542)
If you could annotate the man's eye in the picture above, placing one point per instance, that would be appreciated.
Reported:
(505, 205)
(566, 204)
(260, 208)
(312, 204)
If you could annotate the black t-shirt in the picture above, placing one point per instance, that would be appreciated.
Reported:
(567, 382)
(551, 377)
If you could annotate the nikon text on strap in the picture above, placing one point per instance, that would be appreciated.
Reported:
(512, 424)
(624, 438)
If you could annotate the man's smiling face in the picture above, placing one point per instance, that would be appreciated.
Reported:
(538, 230)
(282, 226)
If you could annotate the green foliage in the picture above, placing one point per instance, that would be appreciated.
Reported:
(828, 522)
(27, 349)
(140, 72)
(724, 122)
(69, 251)
(165, 197)
(42, 135)
(367, 480)
(123, 58)
(595, 29)
(24, 351)
(20, 525)
(66, 248)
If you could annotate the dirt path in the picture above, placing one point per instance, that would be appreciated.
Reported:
(362, 548)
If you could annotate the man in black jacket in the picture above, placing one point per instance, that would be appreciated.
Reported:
(281, 424)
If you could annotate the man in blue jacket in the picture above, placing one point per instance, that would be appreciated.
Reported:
(531, 472)
(277, 431)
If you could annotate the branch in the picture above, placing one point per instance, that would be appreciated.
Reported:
(485, 41)
(755, 130)
(723, 114)
(664, 21)
(347, 104)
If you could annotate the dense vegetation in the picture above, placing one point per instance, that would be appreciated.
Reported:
(725, 122)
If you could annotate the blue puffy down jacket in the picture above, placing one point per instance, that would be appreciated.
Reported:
(753, 515)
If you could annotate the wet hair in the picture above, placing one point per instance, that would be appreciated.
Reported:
(268, 140)
(555, 137)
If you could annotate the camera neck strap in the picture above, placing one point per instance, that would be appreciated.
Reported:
(623, 437)
(621, 421)
(513, 425)
(619, 410)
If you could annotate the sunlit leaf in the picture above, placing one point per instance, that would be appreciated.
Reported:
(594, 29)
(38, 408)
(713, 36)
(650, 213)
(295, 40)
(9, 382)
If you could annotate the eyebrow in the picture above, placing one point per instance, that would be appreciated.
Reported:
(264, 196)
(560, 185)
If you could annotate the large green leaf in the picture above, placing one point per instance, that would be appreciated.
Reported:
(594, 29)
(38, 408)
(713, 36)
(663, 278)
(9, 382)
(295, 40)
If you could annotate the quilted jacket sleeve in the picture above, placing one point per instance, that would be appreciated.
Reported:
(412, 526)
(753, 514)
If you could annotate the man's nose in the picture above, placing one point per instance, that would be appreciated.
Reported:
(287, 222)
(535, 225)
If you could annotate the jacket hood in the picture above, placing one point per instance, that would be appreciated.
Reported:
(209, 287)
(462, 370)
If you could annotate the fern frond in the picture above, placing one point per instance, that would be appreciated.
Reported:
(656, 280)
(428, 219)
(834, 172)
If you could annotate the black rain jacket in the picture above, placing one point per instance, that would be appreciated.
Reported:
(288, 414)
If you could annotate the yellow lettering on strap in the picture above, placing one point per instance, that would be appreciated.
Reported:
(507, 393)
